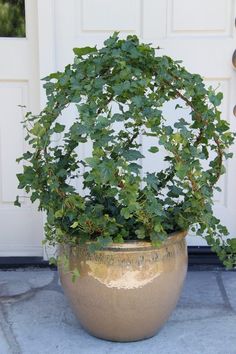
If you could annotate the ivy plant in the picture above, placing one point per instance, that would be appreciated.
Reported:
(119, 92)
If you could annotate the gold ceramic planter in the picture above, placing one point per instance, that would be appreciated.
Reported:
(127, 291)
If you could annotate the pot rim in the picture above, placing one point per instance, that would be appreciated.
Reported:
(138, 245)
(133, 245)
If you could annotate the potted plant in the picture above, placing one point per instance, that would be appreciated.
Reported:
(123, 236)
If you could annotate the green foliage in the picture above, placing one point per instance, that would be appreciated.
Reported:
(83, 51)
(12, 18)
(119, 202)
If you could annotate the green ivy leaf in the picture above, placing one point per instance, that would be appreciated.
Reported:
(153, 149)
(38, 130)
(17, 202)
(181, 170)
(84, 51)
(141, 233)
(59, 128)
(74, 225)
(59, 213)
(131, 155)
(92, 161)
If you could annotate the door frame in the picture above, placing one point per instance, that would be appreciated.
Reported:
(47, 63)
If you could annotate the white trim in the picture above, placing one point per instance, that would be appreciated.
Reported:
(8, 249)
(46, 41)
(47, 55)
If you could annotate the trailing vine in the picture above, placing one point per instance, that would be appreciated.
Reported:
(119, 92)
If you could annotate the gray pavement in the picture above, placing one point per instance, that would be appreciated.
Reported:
(35, 318)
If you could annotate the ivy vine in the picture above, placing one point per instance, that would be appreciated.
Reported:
(119, 92)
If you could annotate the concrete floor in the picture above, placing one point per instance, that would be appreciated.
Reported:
(35, 318)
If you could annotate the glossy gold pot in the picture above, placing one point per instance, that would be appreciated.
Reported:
(125, 292)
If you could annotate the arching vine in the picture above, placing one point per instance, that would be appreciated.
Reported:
(119, 91)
